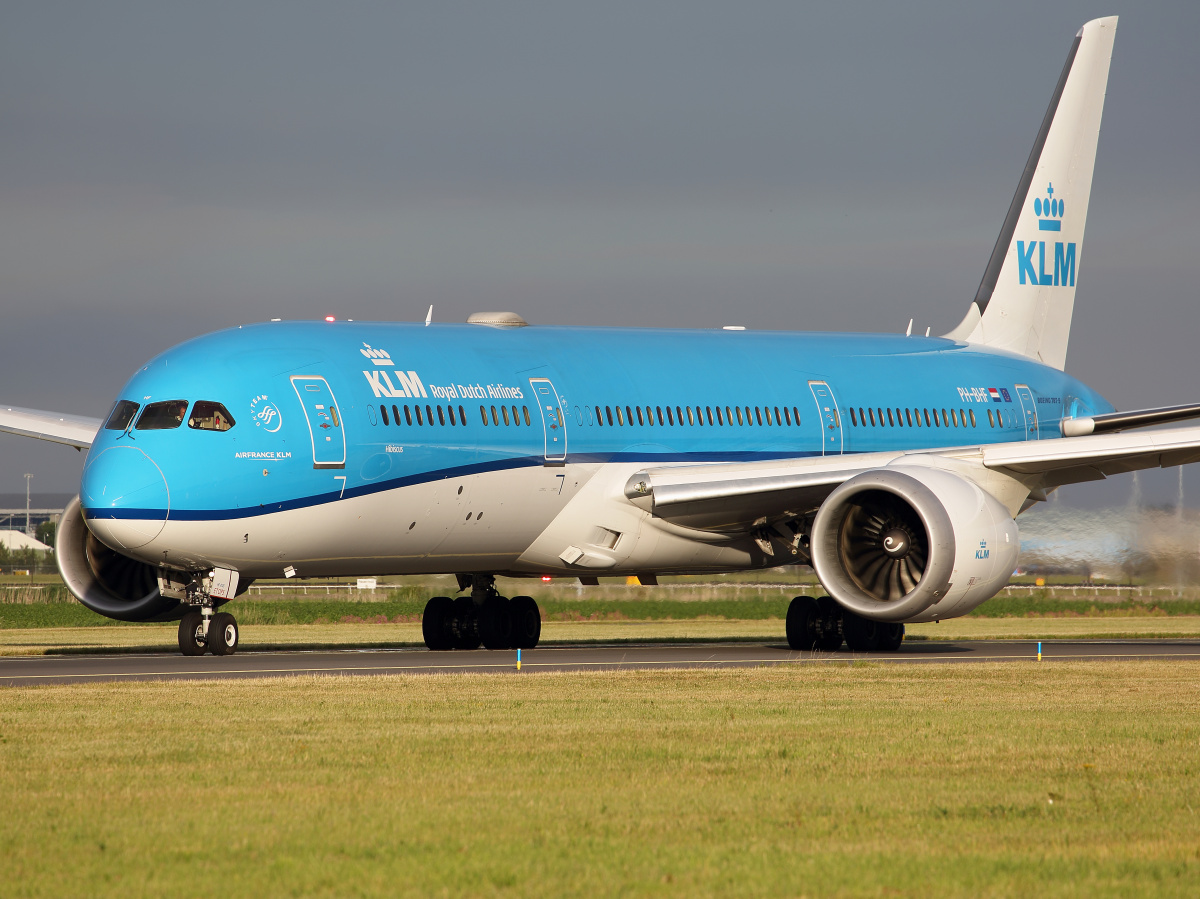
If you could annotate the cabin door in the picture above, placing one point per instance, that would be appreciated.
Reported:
(830, 418)
(1029, 407)
(324, 421)
(554, 422)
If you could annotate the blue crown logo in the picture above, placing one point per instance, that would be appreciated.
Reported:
(1052, 208)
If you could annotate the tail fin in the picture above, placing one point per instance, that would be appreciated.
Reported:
(1027, 295)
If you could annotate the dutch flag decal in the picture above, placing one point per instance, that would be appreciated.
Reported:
(994, 394)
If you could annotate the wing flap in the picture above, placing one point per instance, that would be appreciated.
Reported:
(1070, 460)
(72, 430)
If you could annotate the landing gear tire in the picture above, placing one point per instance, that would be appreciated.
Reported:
(223, 634)
(437, 623)
(862, 634)
(831, 625)
(465, 624)
(890, 637)
(192, 641)
(526, 620)
(495, 623)
(803, 623)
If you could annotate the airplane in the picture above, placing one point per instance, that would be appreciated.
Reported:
(894, 464)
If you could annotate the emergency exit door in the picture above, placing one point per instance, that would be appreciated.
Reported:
(554, 422)
(830, 417)
(324, 421)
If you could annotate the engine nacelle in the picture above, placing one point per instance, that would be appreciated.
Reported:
(913, 544)
(105, 581)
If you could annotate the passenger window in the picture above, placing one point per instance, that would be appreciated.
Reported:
(853, 420)
(788, 415)
(670, 418)
(795, 415)
(429, 415)
(504, 412)
(678, 414)
(629, 416)
(891, 423)
(770, 422)
(162, 416)
(408, 415)
(1000, 417)
(908, 417)
(395, 415)
(209, 416)
(971, 412)
(758, 415)
(382, 414)
(708, 409)
(121, 415)
(991, 421)
(620, 416)
(525, 409)
(449, 413)
(658, 409)
(641, 421)
(649, 416)
(691, 420)
(872, 412)
(738, 410)
(462, 416)
(417, 409)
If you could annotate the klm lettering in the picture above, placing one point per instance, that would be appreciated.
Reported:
(1064, 264)
(381, 383)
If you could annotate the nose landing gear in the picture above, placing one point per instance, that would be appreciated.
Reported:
(203, 629)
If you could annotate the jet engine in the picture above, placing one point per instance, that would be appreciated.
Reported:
(105, 581)
(913, 544)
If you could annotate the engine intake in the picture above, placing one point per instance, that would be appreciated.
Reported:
(911, 543)
(105, 581)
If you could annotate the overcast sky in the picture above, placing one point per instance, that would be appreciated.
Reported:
(171, 169)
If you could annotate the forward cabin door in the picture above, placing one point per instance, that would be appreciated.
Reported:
(324, 421)
(830, 417)
(1029, 407)
(554, 421)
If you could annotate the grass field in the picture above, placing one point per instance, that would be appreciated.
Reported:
(1061, 779)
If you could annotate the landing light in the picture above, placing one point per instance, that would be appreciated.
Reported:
(733, 328)
(330, 318)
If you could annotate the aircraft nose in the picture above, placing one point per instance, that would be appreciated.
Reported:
(124, 497)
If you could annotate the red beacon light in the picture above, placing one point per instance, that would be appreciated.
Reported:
(545, 578)
(330, 318)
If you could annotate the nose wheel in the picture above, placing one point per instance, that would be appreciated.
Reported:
(201, 631)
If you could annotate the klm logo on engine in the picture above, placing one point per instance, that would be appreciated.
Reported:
(982, 552)
(1049, 211)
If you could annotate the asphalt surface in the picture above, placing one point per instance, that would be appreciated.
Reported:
(74, 669)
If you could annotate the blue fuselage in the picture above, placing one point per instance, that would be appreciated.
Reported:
(327, 412)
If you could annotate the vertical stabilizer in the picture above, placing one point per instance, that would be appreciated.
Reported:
(1027, 295)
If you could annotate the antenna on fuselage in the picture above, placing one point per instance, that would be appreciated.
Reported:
(429, 315)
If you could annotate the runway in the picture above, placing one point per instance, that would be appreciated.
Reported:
(74, 669)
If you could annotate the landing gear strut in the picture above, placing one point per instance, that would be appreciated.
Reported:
(203, 629)
(823, 624)
(485, 617)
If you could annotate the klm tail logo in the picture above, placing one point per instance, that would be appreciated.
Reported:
(1049, 211)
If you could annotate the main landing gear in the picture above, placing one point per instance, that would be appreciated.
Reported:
(484, 618)
(823, 624)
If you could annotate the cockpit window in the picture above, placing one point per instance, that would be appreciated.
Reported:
(122, 414)
(162, 416)
(209, 416)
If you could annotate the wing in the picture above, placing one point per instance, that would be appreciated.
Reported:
(733, 497)
(73, 430)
